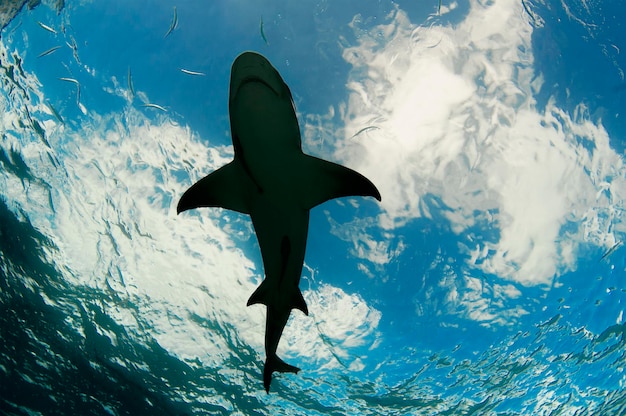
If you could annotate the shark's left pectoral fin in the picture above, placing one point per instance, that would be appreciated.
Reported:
(326, 180)
(262, 294)
(228, 187)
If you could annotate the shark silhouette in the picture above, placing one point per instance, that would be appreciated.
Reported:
(274, 182)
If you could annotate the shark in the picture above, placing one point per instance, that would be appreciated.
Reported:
(274, 182)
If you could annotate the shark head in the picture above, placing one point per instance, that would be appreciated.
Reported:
(262, 113)
(250, 67)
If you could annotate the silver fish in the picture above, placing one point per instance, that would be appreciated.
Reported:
(188, 72)
(48, 28)
(48, 52)
(158, 107)
(173, 25)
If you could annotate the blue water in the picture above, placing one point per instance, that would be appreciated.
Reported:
(484, 283)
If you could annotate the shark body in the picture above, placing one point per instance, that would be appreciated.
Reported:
(274, 182)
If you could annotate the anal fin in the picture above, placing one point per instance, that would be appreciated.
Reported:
(297, 302)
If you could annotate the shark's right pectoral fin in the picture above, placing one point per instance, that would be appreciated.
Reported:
(229, 187)
(326, 180)
(262, 295)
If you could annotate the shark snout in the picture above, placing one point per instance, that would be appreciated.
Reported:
(251, 67)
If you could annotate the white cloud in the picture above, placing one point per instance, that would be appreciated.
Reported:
(456, 118)
(486, 302)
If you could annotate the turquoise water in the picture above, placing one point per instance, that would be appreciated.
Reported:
(490, 280)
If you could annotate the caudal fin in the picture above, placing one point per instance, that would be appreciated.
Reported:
(275, 364)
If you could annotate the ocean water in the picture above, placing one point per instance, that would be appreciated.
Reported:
(489, 280)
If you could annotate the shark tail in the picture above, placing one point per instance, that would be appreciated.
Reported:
(262, 293)
(272, 364)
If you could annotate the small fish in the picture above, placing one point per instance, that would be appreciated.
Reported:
(173, 25)
(48, 52)
(188, 72)
(40, 131)
(533, 17)
(439, 9)
(435, 45)
(74, 47)
(364, 129)
(48, 28)
(262, 32)
(130, 84)
(73, 81)
(611, 250)
(55, 113)
(158, 107)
